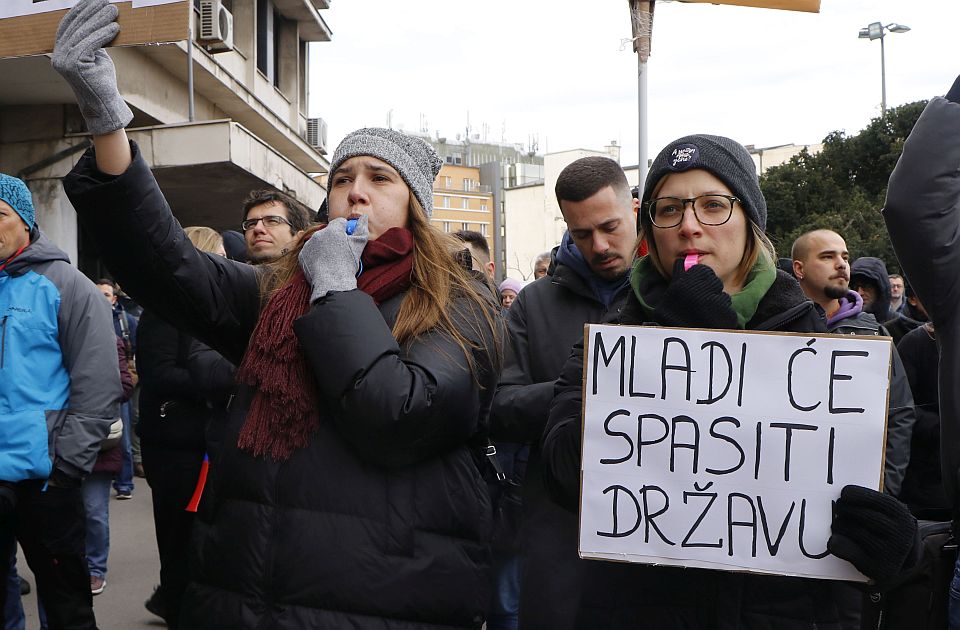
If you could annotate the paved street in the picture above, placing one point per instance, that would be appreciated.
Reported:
(132, 572)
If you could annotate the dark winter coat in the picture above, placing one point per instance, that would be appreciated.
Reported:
(173, 409)
(382, 520)
(544, 322)
(922, 484)
(622, 595)
(922, 212)
(900, 414)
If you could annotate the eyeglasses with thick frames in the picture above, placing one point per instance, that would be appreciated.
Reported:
(269, 221)
(667, 212)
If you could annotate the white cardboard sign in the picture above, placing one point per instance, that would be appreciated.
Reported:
(725, 450)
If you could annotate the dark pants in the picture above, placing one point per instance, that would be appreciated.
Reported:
(50, 526)
(172, 475)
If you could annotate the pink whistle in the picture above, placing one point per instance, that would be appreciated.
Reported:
(690, 261)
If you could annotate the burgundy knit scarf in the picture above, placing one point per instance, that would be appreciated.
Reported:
(285, 409)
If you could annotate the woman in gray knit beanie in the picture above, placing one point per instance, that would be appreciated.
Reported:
(346, 493)
(710, 266)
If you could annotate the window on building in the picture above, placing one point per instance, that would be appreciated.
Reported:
(483, 229)
(464, 226)
(446, 227)
(269, 23)
(483, 207)
(444, 202)
(304, 79)
(465, 203)
(447, 181)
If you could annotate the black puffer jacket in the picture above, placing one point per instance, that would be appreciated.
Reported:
(382, 519)
(545, 321)
(922, 213)
(621, 595)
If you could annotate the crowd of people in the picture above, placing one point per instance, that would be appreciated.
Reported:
(344, 422)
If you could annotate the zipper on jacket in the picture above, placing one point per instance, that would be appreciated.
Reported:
(3, 340)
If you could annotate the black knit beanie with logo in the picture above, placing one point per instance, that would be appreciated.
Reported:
(727, 159)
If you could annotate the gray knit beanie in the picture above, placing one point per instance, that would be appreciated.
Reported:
(727, 159)
(414, 159)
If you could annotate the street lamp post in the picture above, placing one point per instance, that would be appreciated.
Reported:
(877, 30)
(641, 20)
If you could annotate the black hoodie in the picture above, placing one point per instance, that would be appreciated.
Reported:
(874, 270)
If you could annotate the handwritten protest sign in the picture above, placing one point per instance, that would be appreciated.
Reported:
(724, 450)
(28, 27)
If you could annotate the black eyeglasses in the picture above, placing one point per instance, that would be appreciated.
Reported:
(667, 212)
(270, 221)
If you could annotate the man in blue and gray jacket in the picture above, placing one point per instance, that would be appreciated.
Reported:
(59, 393)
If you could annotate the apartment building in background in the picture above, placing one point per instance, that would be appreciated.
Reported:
(239, 123)
(500, 165)
(461, 202)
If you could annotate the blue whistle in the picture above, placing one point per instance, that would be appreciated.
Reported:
(351, 225)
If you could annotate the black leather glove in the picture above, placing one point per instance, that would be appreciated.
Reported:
(874, 532)
(695, 299)
(8, 498)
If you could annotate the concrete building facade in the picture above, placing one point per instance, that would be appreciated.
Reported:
(501, 165)
(461, 202)
(249, 127)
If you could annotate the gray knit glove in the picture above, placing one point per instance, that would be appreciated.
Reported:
(331, 257)
(79, 58)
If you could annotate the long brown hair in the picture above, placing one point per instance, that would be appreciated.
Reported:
(430, 303)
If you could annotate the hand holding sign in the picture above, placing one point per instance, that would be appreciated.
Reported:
(874, 532)
(80, 59)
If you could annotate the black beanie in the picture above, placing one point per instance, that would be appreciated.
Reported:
(727, 159)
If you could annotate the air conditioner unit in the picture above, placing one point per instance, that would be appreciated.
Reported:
(317, 134)
(216, 27)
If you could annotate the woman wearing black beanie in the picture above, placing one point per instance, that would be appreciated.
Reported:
(710, 265)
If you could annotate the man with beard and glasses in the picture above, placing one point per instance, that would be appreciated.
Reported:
(588, 283)
(822, 265)
(272, 224)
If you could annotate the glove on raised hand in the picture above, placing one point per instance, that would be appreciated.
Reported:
(331, 257)
(79, 57)
(695, 299)
(874, 532)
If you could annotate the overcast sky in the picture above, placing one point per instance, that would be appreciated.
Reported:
(554, 69)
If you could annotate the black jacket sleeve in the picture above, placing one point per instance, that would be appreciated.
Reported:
(562, 439)
(521, 406)
(396, 406)
(214, 376)
(210, 297)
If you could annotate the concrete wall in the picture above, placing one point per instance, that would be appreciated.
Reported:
(531, 228)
